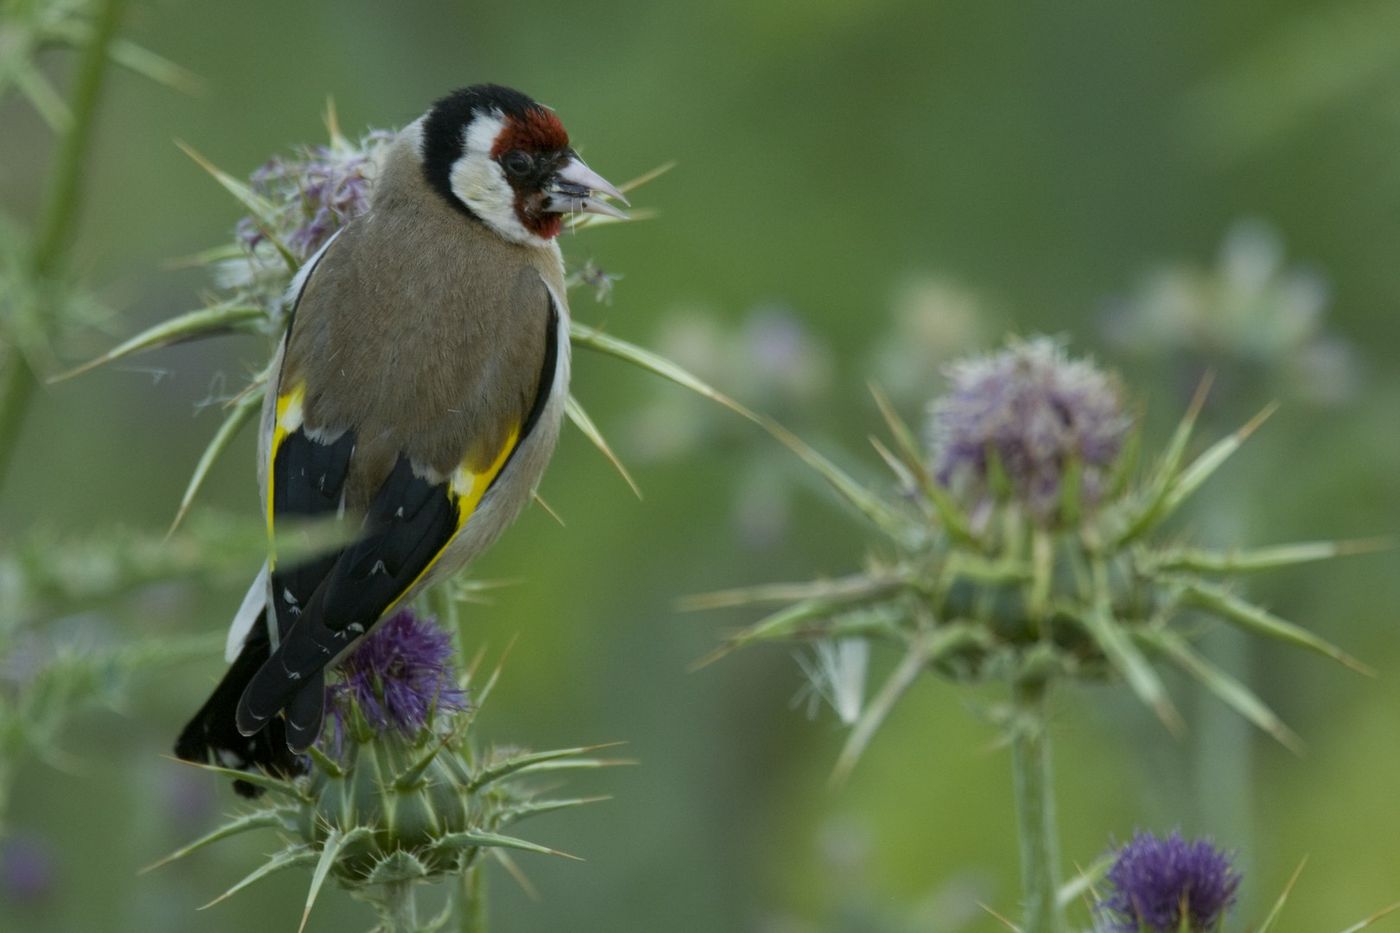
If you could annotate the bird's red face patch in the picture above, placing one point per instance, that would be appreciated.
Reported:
(537, 131)
(538, 134)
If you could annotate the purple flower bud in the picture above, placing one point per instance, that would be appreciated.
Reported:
(398, 678)
(1035, 412)
(1157, 884)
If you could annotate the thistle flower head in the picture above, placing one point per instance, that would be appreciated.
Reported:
(1167, 885)
(397, 678)
(1040, 418)
(314, 192)
(301, 199)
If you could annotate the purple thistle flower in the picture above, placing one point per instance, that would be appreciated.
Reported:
(1037, 413)
(1159, 883)
(316, 191)
(398, 677)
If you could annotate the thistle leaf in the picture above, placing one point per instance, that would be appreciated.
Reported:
(926, 648)
(983, 570)
(326, 763)
(414, 772)
(43, 97)
(515, 871)
(204, 322)
(484, 839)
(1204, 466)
(532, 807)
(256, 819)
(291, 857)
(330, 848)
(244, 408)
(576, 764)
(855, 588)
(1146, 512)
(646, 177)
(953, 519)
(1277, 909)
(521, 762)
(881, 514)
(1083, 883)
(590, 430)
(779, 624)
(148, 64)
(1130, 663)
(127, 54)
(593, 339)
(264, 213)
(1233, 561)
(1245, 615)
(1383, 912)
(1230, 691)
(277, 785)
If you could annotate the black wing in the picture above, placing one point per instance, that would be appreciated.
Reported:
(332, 601)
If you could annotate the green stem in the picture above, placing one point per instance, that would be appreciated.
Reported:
(474, 899)
(55, 225)
(1035, 808)
(16, 387)
(400, 907)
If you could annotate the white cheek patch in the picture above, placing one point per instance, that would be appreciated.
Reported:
(479, 183)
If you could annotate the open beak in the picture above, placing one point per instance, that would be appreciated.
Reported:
(578, 189)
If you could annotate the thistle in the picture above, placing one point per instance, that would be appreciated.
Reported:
(1251, 315)
(397, 794)
(1025, 546)
(1168, 886)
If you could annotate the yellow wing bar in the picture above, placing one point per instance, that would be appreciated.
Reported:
(287, 421)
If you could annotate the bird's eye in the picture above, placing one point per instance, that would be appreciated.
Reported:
(518, 163)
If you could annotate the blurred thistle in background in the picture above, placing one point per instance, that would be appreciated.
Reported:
(1028, 548)
(1257, 323)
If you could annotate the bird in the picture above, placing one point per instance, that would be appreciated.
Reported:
(416, 395)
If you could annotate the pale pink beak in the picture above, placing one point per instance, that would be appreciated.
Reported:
(577, 189)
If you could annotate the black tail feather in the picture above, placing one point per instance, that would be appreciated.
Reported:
(304, 713)
(212, 736)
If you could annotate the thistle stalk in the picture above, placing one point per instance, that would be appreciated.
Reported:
(1035, 807)
(400, 907)
(55, 225)
(474, 894)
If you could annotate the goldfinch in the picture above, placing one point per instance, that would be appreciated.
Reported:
(418, 392)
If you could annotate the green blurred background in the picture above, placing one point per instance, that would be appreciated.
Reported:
(844, 166)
